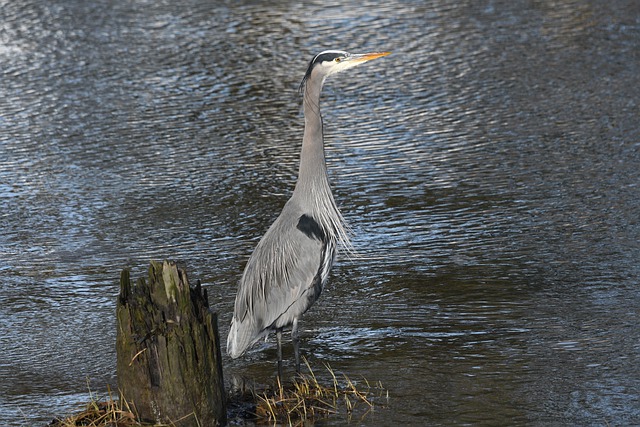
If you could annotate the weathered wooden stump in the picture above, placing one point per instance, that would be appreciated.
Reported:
(168, 350)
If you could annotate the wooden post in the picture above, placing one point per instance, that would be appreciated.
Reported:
(168, 350)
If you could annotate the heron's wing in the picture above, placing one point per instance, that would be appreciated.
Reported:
(284, 275)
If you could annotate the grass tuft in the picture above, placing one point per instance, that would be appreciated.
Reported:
(101, 413)
(308, 399)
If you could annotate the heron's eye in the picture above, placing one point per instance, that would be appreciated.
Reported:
(337, 60)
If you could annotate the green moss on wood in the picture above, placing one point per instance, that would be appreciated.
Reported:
(169, 360)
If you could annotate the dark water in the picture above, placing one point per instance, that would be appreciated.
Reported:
(490, 169)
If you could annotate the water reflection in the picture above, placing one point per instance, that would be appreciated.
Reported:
(488, 167)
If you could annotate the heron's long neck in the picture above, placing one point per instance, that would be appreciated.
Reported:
(312, 177)
(312, 188)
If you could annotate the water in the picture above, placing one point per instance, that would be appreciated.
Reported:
(489, 168)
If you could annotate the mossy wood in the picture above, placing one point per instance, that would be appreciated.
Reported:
(168, 349)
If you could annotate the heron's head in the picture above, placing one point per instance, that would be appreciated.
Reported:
(330, 62)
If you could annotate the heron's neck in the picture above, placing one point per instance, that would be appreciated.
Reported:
(312, 188)
(312, 176)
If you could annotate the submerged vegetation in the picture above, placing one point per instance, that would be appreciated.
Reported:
(306, 399)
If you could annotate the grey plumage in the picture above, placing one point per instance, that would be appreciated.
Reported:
(290, 265)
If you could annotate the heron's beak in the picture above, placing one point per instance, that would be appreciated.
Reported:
(364, 57)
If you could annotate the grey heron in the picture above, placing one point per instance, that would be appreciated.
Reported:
(290, 265)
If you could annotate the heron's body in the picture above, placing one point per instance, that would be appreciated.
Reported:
(290, 266)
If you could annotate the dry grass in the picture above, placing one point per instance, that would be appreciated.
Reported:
(105, 412)
(308, 399)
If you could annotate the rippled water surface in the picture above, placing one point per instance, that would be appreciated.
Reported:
(489, 168)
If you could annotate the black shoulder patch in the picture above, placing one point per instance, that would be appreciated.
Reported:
(311, 228)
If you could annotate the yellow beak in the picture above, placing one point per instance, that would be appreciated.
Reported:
(363, 57)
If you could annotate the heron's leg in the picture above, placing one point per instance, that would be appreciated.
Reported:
(279, 339)
(296, 343)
